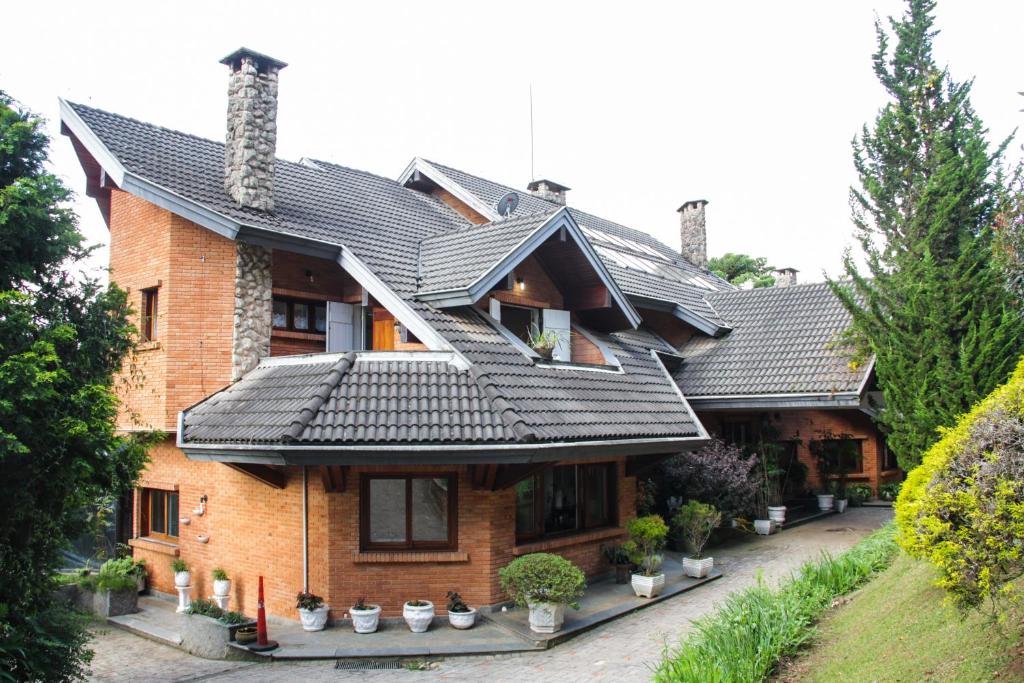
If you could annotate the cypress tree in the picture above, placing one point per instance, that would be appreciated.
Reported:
(930, 304)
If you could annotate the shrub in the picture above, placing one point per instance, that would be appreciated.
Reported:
(542, 577)
(696, 521)
(889, 490)
(219, 575)
(718, 474)
(646, 538)
(859, 493)
(308, 601)
(963, 507)
(615, 554)
(114, 575)
(456, 603)
(209, 608)
(745, 639)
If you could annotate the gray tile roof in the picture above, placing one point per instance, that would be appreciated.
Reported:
(783, 341)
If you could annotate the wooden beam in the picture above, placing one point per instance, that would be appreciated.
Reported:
(639, 464)
(510, 475)
(482, 476)
(588, 298)
(334, 477)
(268, 474)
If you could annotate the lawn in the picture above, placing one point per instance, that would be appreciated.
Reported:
(897, 628)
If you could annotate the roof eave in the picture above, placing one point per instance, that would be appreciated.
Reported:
(679, 311)
(821, 401)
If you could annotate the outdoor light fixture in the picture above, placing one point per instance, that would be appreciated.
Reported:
(520, 283)
(309, 276)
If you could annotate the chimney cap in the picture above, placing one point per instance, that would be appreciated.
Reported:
(787, 270)
(262, 61)
(696, 203)
(552, 185)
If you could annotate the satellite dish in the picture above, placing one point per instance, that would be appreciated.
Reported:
(508, 204)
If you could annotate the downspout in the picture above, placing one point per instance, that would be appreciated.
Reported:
(305, 530)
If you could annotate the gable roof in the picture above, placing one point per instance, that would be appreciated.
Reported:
(784, 341)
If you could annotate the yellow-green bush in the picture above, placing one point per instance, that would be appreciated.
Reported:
(963, 507)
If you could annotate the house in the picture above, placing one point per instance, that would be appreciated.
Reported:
(343, 362)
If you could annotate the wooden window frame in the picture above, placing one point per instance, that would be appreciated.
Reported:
(860, 459)
(150, 311)
(611, 503)
(290, 303)
(409, 545)
(146, 510)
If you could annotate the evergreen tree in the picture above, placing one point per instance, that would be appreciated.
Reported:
(62, 340)
(931, 305)
(740, 269)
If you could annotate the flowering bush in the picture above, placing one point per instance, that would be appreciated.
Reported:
(718, 474)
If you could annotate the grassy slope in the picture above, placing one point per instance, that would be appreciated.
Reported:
(897, 629)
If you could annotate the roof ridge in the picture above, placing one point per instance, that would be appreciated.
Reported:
(739, 291)
(319, 397)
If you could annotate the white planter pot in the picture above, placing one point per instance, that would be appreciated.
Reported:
(182, 579)
(777, 513)
(418, 618)
(462, 620)
(221, 587)
(763, 526)
(841, 504)
(546, 617)
(314, 619)
(826, 501)
(698, 568)
(140, 583)
(365, 620)
(648, 586)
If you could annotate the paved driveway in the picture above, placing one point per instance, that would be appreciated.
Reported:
(620, 651)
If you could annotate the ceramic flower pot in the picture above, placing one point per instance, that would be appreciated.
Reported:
(546, 617)
(314, 619)
(826, 501)
(182, 579)
(698, 568)
(365, 620)
(221, 587)
(763, 526)
(648, 586)
(462, 620)
(418, 617)
(777, 513)
(841, 504)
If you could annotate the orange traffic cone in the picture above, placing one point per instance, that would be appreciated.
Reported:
(262, 642)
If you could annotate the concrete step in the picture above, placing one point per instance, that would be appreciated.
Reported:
(140, 625)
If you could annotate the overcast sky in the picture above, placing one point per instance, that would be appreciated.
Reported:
(638, 107)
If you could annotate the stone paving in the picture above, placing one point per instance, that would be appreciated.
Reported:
(620, 651)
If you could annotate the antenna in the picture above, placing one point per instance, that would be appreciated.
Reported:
(532, 176)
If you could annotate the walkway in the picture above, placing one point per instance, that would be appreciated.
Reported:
(620, 651)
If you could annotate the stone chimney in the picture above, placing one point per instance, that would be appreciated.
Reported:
(548, 189)
(785, 277)
(693, 232)
(252, 128)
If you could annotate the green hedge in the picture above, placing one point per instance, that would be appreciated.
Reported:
(744, 640)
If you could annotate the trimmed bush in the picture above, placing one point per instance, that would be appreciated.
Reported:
(543, 577)
(745, 639)
(646, 539)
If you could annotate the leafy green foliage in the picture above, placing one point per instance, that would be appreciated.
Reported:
(745, 639)
(1010, 236)
(219, 575)
(62, 338)
(456, 603)
(859, 494)
(931, 305)
(208, 608)
(543, 577)
(646, 539)
(114, 575)
(179, 565)
(308, 601)
(696, 521)
(739, 269)
(963, 508)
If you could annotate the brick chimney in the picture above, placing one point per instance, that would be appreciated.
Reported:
(548, 189)
(785, 277)
(252, 128)
(693, 232)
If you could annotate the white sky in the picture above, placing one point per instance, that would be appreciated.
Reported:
(637, 106)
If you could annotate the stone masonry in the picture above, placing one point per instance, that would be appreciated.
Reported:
(251, 129)
(693, 232)
(253, 303)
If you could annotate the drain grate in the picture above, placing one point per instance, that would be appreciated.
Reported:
(367, 664)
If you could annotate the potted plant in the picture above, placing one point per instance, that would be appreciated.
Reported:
(763, 524)
(364, 617)
(221, 583)
(859, 494)
(139, 570)
(889, 490)
(312, 611)
(460, 615)
(696, 521)
(835, 455)
(418, 614)
(545, 583)
(543, 342)
(182, 576)
(646, 539)
(618, 558)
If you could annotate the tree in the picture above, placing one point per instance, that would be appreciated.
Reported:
(930, 305)
(62, 339)
(740, 269)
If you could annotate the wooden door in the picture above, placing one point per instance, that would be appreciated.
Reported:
(383, 335)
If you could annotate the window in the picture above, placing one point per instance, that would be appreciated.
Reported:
(520, 320)
(738, 432)
(149, 313)
(842, 454)
(299, 316)
(400, 512)
(564, 499)
(160, 514)
(888, 457)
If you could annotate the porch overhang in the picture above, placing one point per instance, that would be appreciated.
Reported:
(847, 401)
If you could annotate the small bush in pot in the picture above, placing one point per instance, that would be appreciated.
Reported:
(542, 341)
(460, 615)
(646, 540)
(365, 618)
(696, 521)
(312, 611)
(182, 576)
(889, 490)
(545, 583)
(859, 494)
(221, 583)
(418, 614)
(618, 558)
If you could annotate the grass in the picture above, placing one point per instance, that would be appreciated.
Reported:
(897, 628)
(744, 640)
